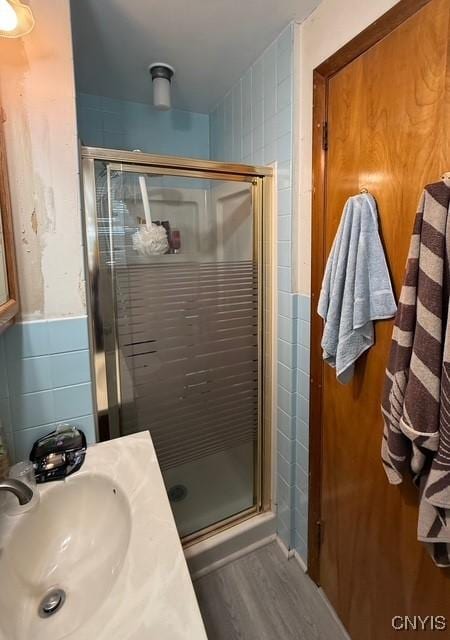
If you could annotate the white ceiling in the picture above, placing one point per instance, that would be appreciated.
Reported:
(209, 42)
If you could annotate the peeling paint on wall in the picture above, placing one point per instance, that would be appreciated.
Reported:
(37, 93)
(34, 224)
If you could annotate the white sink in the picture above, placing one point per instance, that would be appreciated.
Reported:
(104, 541)
(75, 540)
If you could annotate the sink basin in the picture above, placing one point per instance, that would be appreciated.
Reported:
(74, 541)
(99, 557)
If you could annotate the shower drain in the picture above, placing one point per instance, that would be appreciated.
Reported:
(177, 493)
(51, 603)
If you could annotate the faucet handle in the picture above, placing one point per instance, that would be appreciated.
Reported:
(59, 453)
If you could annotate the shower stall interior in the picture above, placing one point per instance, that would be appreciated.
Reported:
(181, 339)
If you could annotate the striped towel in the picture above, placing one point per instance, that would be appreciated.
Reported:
(416, 398)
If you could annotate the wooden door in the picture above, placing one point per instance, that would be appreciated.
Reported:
(388, 114)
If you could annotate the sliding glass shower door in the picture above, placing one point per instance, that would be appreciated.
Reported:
(179, 309)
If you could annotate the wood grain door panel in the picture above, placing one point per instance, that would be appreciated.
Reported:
(388, 130)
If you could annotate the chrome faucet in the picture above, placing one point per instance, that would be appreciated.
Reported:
(21, 490)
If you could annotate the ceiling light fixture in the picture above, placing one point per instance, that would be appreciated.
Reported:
(16, 19)
(161, 78)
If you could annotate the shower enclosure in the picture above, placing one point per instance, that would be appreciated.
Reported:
(181, 334)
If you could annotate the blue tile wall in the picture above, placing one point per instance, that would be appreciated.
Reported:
(121, 124)
(293, 420)
(300, 497)
(253, 124)
(45, 378)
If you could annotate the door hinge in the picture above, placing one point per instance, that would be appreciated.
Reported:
(319, 532)
(325, 136)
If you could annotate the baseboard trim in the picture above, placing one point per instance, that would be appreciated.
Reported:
(301, 562)
(288, 553)
(292, 553)
(335, 616)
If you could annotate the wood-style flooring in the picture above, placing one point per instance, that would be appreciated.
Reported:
(264, 596)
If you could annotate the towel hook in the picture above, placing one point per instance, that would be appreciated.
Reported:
(363, 189)
(446, 178)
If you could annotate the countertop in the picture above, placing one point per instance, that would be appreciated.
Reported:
(134, 586)
(153, 598)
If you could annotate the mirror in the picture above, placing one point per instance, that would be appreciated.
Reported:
(9, 305)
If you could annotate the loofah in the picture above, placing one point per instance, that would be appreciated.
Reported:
(151, 241)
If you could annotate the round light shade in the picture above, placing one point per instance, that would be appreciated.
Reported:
(16, 19)
(161, 78)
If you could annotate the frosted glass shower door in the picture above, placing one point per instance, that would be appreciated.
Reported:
(187, 335)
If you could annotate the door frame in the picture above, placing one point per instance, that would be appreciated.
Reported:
(375, 32)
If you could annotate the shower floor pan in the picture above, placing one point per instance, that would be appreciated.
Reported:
(211, 489)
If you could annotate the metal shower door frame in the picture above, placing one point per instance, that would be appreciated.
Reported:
(106, 388)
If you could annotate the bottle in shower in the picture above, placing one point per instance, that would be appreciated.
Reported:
(176, 240)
